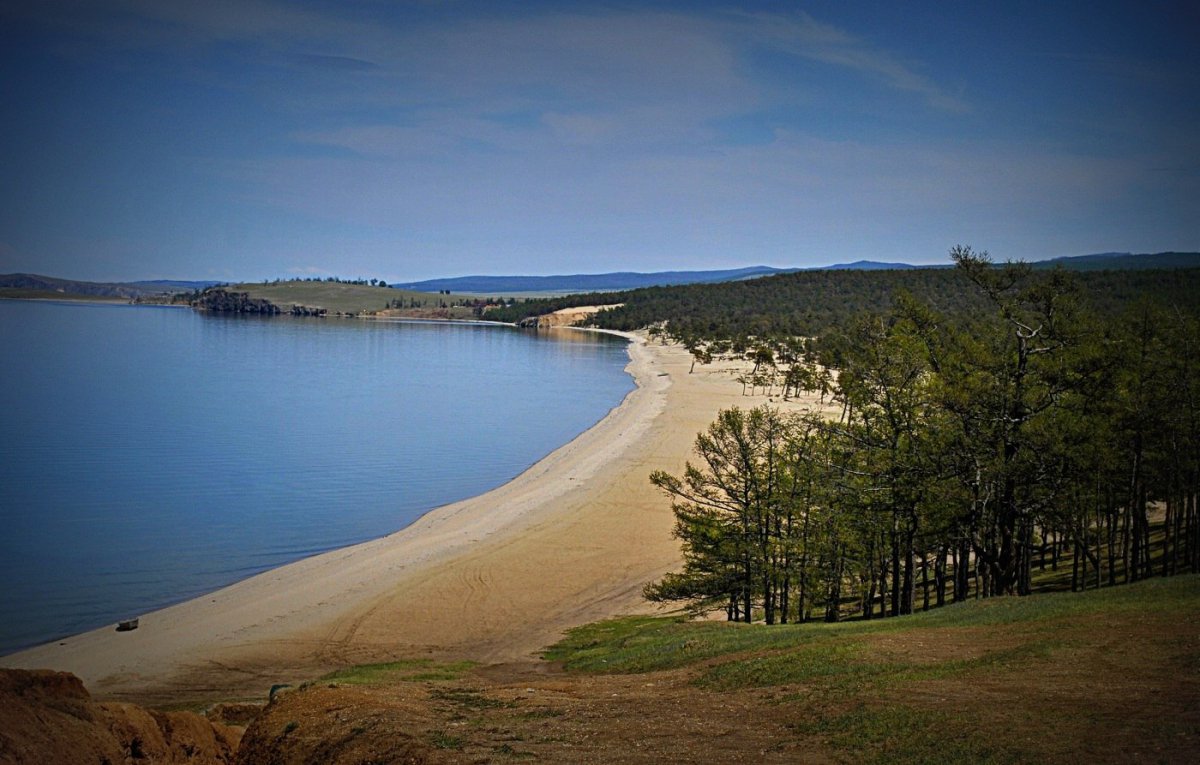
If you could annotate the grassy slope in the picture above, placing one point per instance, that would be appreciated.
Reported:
(1001, 680)
(335, 296)
(647, 643)
(1105, 676)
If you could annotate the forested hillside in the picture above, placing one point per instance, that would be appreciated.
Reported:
(1017, 420)
(812, 303)
(994, 418)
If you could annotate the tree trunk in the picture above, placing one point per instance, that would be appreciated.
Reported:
(1112, 548)
(834, 603)
(924, 583)
(1166, 553)
(939, 576)
(1125, 531)
(896, 587)
(1075, 567)
(883, 582)
(1024, 549)
(869, 603)
(910, 574)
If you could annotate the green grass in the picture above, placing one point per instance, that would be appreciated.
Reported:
(347, 298)
(841, 665)
(408, 670)
(466, 698)
(1149, 596)
(508, 751)
(442, 740)
(646, 644)
(903, 690)
(840, 668)
(900, 734)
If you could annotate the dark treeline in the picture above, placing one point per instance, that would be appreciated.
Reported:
(1051, 426)
(361, 282)
(814, 303)
(481, 305)
(514, 312)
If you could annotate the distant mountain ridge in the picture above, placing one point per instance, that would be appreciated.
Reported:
(870, 265)
(606, 282)
(127, 290)
(1102, 261)
(1123, 261)
(626, 280)
(617, 280)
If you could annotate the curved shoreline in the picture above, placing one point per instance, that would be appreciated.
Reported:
(494, 578)
(145, 515)
(322, 591)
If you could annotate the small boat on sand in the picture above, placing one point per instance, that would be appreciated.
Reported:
(127, 625)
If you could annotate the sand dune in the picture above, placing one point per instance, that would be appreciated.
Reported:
(494, 578)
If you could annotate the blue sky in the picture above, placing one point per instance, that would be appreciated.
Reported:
(254, 139)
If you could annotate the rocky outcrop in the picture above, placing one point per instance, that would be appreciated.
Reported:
(224, 301)
(341, 725)
(565, 317)
(48, 716)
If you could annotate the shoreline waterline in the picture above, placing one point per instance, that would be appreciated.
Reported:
(234, 614)
(493, 579)
(140, 480)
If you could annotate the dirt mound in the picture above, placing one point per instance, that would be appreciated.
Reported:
(48, 716)
(339, 725)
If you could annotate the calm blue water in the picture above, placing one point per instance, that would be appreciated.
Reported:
(149, 454)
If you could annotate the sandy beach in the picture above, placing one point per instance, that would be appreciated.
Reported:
(494, 578)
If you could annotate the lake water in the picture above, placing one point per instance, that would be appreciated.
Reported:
(152, 454)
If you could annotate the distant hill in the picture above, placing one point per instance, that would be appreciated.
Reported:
(812, 302)
(347, 297)
(172, 285)
(1123, 261)
(50, 284)
(1103, 261)
(36, 283)
(630, 280)
(871, 265)
(622, 280)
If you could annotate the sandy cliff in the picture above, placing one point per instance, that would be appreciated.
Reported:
(48, 716)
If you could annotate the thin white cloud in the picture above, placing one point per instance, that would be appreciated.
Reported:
(602, 59)
(804, 36)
